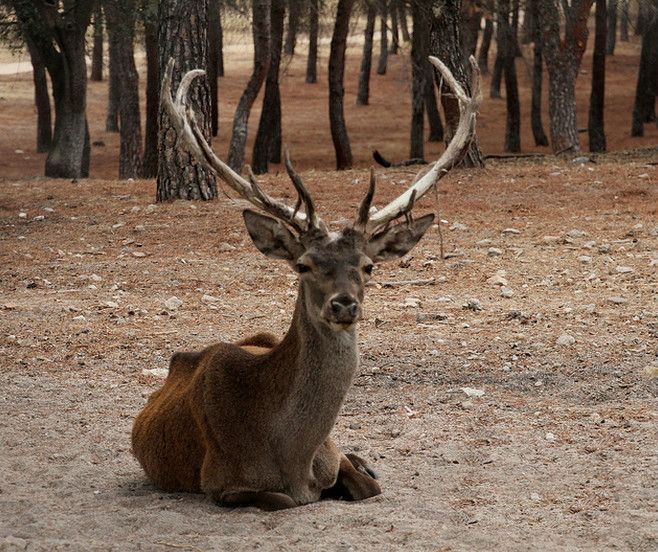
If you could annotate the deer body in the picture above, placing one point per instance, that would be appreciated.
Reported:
(249, 423)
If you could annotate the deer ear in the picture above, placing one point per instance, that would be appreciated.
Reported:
(397, 240)
(271, 237)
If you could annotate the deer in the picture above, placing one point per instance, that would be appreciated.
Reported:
(249, 423)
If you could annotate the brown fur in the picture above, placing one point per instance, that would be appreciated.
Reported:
(249, 423)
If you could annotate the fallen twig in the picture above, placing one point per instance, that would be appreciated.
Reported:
(426, 282)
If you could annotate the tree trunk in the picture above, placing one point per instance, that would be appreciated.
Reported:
(402, 19)
(312, 61)
(419, 73)
(150, 161)
(445, 44)
(294, 11)
(432, 109)
(41, 99)
(182, 35)
(363, 93)
(470, 28)
(97, 52)
(113, 82)
(483, 56)
(336, 90)
(213, 63)
(515, 28)
(497, 75)
(120, 16)
(643, 17)
(383, 43)
(537, 77)
(596, 101)
(261, 34)
(563, 57)
(267, 146)
(395, 30)
(644, 109)
(220, 41)
(507, 44)
(612, 27)
(623, 21)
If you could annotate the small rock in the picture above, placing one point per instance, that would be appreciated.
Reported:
(473, 304)
(483, 243)
(566, 340)
(624, 269)
(139, 254)
(506, 292)
(574, 234)
(550, 239)
(617, 300)
(95, 278)
(135, 209)
(589, 244)
(458, 226)
(651, 370)
(472, 392)
(604, 248)
(494, 252)
(585, 259)
(498, 279)
(39, 218)
(22, 215)
(156, 372)
(139, 228)
(223, 247)
(209, 299)
(430, 316)
(643, 175)
(173, 303)
(535, 497)
(79, 318)
(11, 543)
(411, 303)
(550, 436)
(112, 304)
(511, 231)
(580, 160)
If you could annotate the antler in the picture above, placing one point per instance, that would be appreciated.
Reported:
(457, 148)
(184, 121)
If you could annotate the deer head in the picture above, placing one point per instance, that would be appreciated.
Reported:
(333, 266)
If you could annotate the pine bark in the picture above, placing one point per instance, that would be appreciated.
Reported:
(644, 110)
(267, 147)
(537, 77)
(419, 73)
(363, 94)
(312, 60)
(113, 82)
(507, 44)
(470, 27)
(432, 109)
(395, 30)
(623, 21)
(611, 37)
(59, 36)
(446, 45)
(483, 56)
(383, 42)
(182, 35)
(499, 62)
(150, 160)
(595, 127)
(213, 63)
(294, 12)
(121, 16)
(41, 99)
(261, 35)
(336, 89)
(97, 52)
(220, 41)
(402, 19)
(563, 56)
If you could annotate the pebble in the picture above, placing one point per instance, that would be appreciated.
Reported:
(157, 372)
(22, 215)
(585, 259)
(473, 304)
(223, 247)
(550, 239)
(10, 542)
(511, 231)
(624, 269)
(506, 292)
(173, 303)
(550, 436)
(112, 304)
(139, 254)
(494, 252)
(411, 303)
(566, 340)
(140, 228)
(535, 497)
(589, 244)
(472, 392)
(580, 160)
(39, 218)
(498, 279)
(458, 226)
(209, 299)
(95, 278)
(574, 233)
(617, 300)
(79, 318)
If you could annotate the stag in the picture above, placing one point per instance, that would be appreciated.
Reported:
(249, 423)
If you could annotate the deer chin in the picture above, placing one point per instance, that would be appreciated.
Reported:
(340, 326)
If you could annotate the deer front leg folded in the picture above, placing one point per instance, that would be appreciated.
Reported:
(355, 481)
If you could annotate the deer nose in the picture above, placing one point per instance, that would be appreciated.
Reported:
(344, 308)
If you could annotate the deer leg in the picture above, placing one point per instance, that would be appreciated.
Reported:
(355, 481)
(265, 500)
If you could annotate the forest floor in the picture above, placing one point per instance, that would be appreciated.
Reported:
(498, 419)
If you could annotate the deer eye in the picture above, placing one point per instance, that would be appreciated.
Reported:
(368, 269)
(301, 268)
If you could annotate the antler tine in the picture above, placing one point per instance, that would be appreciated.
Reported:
(183, 119)
(454, 152)
(303, 194)
(363, 212)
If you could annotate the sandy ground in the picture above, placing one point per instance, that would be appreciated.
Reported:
(557, 447)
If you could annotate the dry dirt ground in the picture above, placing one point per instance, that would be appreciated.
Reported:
(527, 425)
